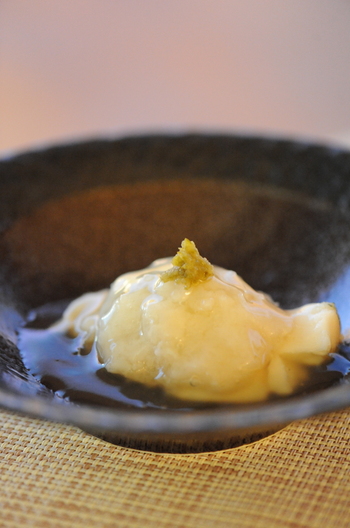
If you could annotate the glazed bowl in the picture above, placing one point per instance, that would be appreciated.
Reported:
(74, 217)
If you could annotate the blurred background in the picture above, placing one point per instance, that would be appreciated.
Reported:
(78, 69)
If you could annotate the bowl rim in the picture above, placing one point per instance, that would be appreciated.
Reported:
(175, 421)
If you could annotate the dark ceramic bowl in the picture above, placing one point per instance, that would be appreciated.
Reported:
(74, 217)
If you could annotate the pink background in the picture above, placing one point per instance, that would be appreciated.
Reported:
(72, 69)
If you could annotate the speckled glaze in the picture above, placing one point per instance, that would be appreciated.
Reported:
(73, 217)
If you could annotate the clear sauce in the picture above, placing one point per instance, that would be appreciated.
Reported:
(62, 365)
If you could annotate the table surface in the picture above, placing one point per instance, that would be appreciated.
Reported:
(54, 475)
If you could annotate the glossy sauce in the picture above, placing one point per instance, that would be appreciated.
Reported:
(61, 364)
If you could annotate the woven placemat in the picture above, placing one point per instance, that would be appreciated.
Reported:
(54, 475)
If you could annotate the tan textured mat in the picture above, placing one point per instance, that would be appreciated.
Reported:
(54, 475)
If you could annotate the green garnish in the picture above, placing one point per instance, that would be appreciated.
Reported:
(188, 266)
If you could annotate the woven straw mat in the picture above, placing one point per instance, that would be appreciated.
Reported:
(54, 475)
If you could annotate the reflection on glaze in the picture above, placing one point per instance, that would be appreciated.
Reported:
(339, 295)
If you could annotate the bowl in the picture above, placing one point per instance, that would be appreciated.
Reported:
(73, 217)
